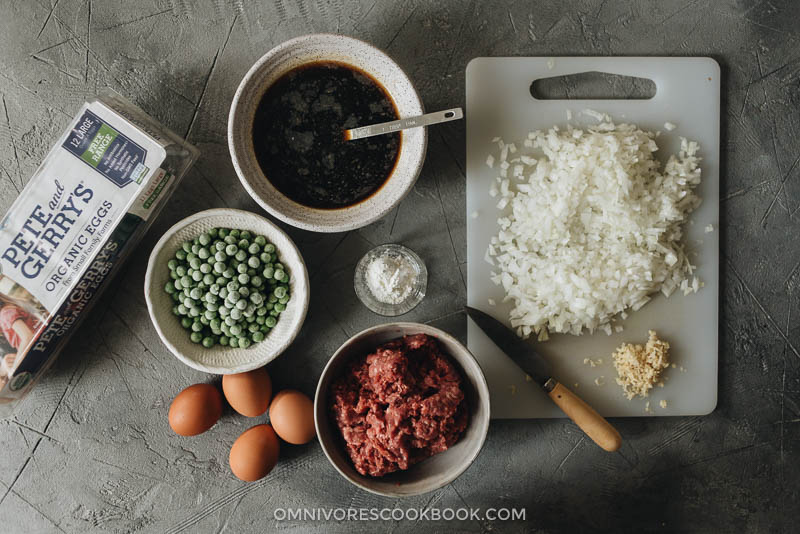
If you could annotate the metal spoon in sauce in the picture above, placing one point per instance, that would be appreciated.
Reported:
(412, 122)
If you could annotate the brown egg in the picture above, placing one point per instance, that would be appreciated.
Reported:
(248, 393)
(195, 409)
(292, 415)
(254, 453)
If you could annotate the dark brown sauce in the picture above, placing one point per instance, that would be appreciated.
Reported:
(298, 135)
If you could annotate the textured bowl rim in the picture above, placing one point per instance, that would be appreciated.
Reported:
(148, 281)
(483, 392)
(297, 222)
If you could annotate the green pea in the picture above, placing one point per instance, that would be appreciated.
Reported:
(191, 256)
(180, 270)
(223, 232)
(260, 240)
(182, 309)
(223, 340)
(256, 298)
(269, 248)
(213, 232)
(233, 342)
(197, 276)
(175, 310)
(172, 264)
(279, 267)
(244, 291)
(244, 278)
(253, 262)
(204, 239)
(264, 257)
(219, 246)
(223, 311)
(231, 250)
(283, 300)
(195, 293)
(245, 234)
(186, 281)
(169, 288)
(195, 247)
(208, 280)
(208, 314)
(173, 275)
(258, 337)
(181, 255)
(197, 326)
(205, 268)
(272, 299)
(208, 342)
(260, 320)
(203, 320)
(241, 255)
(229, 273)
(271, 322)
(194, 311)
(254, 248)
(280, 292)
(221, 281)
(256, 281)
(241, 304)
(196, 337)
(236, 314)
(268, 272)
(203, 253)
(263, 309)
(236, 329)
(186, 246)
(244, 342)
(234, 233)
(221, 257)
(280, 307)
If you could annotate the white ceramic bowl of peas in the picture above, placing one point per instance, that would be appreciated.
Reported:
(253, 308)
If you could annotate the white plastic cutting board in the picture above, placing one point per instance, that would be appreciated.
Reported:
(499, 103)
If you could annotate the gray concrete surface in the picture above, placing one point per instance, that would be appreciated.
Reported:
(90, 449)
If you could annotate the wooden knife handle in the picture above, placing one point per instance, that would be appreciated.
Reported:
(591, 422)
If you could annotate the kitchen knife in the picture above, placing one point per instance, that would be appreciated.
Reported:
(591, 422)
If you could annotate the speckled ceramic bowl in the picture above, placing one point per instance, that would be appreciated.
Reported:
(219, 359)
(434, 472)
(307, 49)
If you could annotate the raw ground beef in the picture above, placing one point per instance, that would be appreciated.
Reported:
(399, 405)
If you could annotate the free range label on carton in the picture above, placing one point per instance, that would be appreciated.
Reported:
(106, 150)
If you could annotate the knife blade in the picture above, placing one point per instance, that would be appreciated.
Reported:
(518, 350)
(583, 415)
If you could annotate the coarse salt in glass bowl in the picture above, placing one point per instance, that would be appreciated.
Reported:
(416, 286)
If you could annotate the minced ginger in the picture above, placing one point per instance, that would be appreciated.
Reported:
(639, 368)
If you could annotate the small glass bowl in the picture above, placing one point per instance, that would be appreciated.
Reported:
(417, 291)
